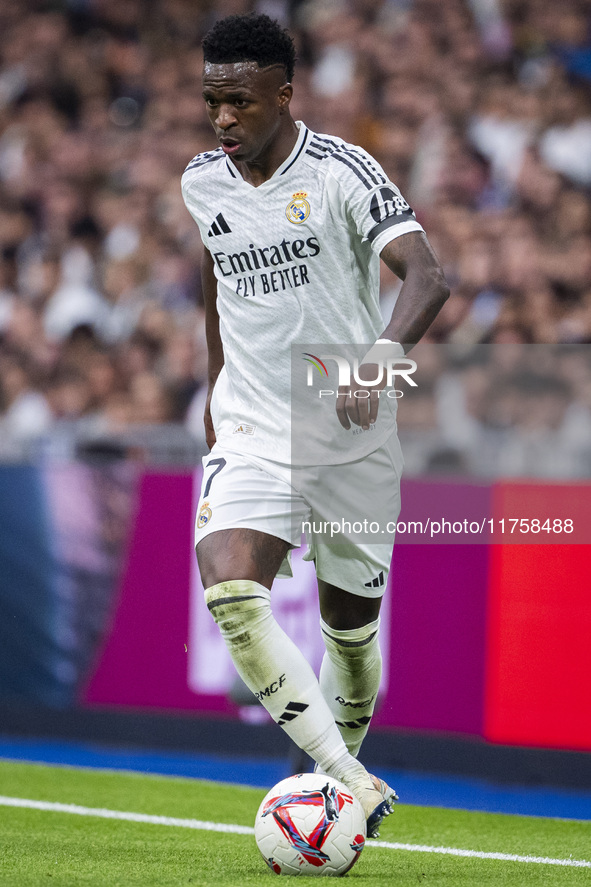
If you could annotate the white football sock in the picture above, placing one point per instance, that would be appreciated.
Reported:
(278, 674)
(350, 679)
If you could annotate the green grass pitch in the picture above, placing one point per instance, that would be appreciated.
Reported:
(58, 849)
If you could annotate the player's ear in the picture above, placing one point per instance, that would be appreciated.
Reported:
(284, 97)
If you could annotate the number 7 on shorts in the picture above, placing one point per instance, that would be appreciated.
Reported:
(220, 464)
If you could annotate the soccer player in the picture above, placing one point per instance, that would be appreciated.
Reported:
(294, 224)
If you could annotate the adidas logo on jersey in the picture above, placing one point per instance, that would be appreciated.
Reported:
(219, 226)
(244, 429)
(375, 583)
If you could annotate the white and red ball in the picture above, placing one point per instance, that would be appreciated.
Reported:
(310, 825)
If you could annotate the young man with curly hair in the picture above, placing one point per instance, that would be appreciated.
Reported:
(294, 224)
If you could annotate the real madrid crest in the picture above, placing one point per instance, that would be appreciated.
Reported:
(204, 516)
(298, 208)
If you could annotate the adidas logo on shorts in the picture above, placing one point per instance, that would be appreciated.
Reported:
(377, 582)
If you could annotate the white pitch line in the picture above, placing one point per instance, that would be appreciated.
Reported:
(103, 813)
(202, 825)
(481, 854)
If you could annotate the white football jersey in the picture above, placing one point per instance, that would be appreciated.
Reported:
(297, 265)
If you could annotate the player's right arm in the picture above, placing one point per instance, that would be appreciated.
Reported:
(215, 351)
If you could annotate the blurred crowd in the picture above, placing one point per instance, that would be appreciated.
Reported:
(498, 410)
(480, 111)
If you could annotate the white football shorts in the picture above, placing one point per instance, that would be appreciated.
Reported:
(347, 512)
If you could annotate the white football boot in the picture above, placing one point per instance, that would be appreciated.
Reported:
(377, 802)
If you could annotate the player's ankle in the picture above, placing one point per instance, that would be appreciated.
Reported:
(350, 771)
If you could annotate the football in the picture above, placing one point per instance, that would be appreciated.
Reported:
(310, 825)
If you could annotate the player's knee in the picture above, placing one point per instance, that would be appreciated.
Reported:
(344, 611)
(354, 644)
(236, 604)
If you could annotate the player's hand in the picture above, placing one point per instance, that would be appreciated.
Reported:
(358, 403)
(210, 437)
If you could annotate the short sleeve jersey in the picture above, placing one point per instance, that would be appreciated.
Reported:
(297, 262)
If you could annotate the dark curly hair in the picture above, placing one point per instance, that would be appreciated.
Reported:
(250, 38)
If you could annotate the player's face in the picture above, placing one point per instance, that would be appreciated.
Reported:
(246, 105)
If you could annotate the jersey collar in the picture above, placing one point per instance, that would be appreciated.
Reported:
(301, 142)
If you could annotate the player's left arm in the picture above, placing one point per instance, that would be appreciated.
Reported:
(424, 289)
